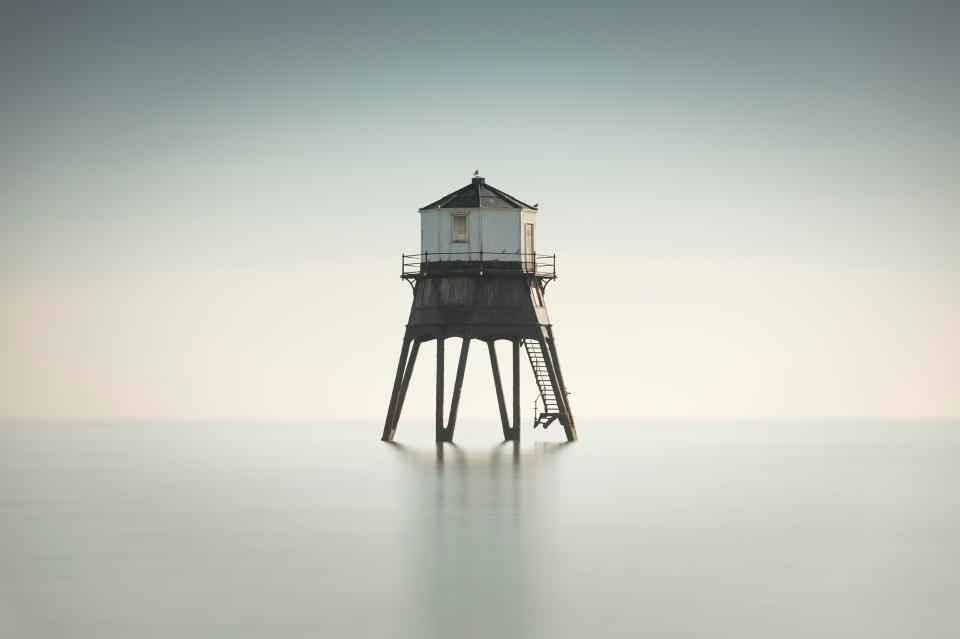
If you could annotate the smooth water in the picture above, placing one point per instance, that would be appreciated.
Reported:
(723, 529)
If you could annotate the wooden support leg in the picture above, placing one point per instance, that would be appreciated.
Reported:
(440, 341)
(404, 385)
(388, 425)
(552, 375)
(553, 368)
(516, 390)
(457, 387)
(504, 420)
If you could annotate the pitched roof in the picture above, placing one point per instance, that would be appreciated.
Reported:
(478, 194)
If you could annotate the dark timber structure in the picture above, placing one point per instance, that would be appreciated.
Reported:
(482, 295)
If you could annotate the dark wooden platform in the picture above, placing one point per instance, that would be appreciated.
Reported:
(480, 305)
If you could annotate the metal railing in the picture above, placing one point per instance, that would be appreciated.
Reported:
(540, 265)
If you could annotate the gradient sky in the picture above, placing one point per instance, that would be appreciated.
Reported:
(755, 206)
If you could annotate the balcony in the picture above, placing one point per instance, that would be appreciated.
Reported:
(539, 265)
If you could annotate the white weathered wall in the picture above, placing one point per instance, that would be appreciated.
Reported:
(527, 216)
(496, 232)
(430, 231)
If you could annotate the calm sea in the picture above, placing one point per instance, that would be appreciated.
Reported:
(710, 529)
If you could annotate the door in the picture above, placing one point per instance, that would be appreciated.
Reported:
(529, 253)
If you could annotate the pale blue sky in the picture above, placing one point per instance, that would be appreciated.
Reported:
(184, 190)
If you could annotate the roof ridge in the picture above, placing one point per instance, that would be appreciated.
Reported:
(472, 195)
(446, 198)
(508, 196)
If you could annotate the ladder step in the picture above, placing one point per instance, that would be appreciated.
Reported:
(541, 373)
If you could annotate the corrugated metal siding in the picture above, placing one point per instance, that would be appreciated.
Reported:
(499, 234)
(444, 231)
(496, 232)
(473, 235)
(430, 231)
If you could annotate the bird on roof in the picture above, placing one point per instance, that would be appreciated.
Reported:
(476, 173)
(536, 205)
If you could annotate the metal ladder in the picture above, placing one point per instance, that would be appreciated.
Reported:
(551, 406)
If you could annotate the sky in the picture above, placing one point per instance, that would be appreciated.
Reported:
(755, 206)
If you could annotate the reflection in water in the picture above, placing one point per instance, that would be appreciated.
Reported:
(474, 538)
(718, 529)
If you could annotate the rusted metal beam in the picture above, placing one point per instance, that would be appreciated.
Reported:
(495, 367)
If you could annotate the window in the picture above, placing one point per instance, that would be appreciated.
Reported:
(459, 228)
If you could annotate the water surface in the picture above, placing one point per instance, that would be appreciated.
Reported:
(709, 529)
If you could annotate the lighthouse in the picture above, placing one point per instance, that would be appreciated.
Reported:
(479, 277)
